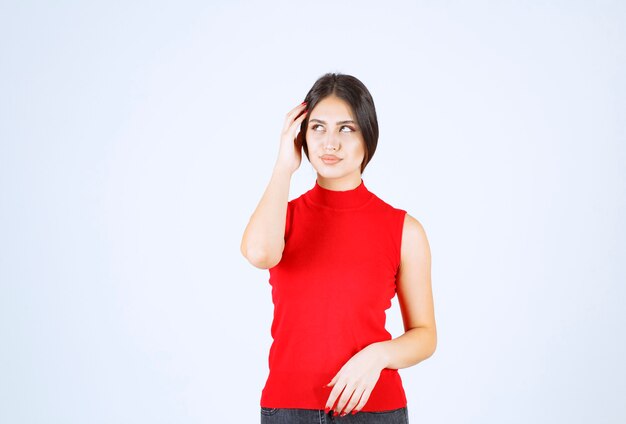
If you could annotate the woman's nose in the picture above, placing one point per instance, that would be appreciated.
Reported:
(331, 142)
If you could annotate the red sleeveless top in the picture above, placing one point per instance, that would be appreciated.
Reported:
(330, 290)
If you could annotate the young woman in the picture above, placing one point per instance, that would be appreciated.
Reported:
(336, 257)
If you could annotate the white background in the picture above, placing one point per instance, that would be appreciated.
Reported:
(136, 139)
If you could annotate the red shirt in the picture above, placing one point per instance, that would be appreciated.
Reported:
(336, 278)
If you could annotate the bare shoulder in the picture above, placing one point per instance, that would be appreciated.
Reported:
(414, 239)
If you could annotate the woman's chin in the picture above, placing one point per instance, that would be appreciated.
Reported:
(328, 172)
(325, 173)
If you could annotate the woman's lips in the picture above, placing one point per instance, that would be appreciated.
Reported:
(330, 159)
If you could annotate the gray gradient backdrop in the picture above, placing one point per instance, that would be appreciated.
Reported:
(136, 139)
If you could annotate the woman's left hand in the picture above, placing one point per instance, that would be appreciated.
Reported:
(356, 379)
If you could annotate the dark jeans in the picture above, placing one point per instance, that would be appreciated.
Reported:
(317, 416)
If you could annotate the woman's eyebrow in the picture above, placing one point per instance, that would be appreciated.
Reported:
(338, 122)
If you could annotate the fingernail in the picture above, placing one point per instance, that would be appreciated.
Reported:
(354, 411)
(327, 409)
(343, 414)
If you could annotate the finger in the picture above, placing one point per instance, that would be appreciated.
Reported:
(364, 398)
(334, 394)
(334, 380)
(302, 114)
(291, 125)
(296, 124)
(289, 116)
(345, 398)
(300, 117)
(354, 399)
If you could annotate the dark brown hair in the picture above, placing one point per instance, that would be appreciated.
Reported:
(353, 92)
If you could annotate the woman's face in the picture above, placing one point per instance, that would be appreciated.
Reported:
(333, 124)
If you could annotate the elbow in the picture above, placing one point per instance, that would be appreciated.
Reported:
(260, 258)
(432, 351)
(427, 343)
(433, 345)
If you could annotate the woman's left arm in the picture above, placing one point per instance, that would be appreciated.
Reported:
(415, 298)
(355, 381)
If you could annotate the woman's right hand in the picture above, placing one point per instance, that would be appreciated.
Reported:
(290, 150)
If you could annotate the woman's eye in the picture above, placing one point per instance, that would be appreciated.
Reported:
(314, 127)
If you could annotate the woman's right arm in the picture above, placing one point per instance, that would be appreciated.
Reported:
(264, 237)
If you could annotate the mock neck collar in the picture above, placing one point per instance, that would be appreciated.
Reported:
(340, 199)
